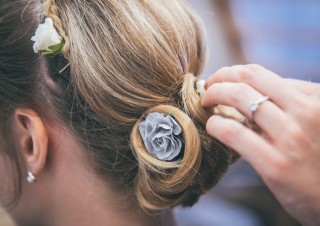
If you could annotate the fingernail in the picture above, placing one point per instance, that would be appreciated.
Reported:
(205, 85)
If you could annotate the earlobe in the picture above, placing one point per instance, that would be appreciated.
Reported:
(32, 139)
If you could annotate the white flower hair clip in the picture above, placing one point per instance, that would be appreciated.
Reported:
(47, 40)
(161, 136)
(200, 87)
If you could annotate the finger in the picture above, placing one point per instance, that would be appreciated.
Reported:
(269, 117)
(263, 80)
(247, 143)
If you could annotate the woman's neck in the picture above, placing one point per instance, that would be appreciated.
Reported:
(87, 200)
(69, 192)
(84, 202)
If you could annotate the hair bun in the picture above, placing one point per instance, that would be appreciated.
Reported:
(162, 184)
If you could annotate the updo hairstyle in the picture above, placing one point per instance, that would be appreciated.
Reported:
(127, 58)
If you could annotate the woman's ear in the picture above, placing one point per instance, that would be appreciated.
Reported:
(31, 139)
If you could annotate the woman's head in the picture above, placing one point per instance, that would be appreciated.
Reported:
(127, 58)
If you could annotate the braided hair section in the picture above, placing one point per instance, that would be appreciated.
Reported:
(50, 10)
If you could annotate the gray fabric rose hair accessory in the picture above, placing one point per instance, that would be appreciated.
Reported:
(160, 134)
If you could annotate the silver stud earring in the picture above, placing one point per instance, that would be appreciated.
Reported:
(30, 178)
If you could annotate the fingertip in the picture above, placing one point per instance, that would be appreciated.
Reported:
(205, 100)
(210, 81)
(215, 78)
(205, 85)
(208, 99)
(213, 124)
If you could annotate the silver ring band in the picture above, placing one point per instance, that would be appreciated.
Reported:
(256, 104)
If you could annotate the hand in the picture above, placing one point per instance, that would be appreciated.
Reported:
(285, 151)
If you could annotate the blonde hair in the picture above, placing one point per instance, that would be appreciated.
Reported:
(132, 57)
(128, 58)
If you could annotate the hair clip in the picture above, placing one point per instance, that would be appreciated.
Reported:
(47, 40)
(161, 135)
(200, 87)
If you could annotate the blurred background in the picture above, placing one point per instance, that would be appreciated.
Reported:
(281, 35)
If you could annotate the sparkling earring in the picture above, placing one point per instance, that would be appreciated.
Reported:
(30, 178)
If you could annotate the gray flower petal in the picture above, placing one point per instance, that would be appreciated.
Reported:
(163, 130)
(176, 142)
(176, 128)
(159, 133)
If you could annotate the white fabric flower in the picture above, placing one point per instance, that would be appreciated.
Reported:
(46, 36)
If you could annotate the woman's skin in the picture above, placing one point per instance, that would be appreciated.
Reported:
(67, 191)
(285, 150)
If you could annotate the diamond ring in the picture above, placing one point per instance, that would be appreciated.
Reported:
(256, 104)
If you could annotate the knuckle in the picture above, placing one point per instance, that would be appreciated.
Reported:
(295, 133)
(248, 72)
(222, 71)
(255, 67)
(308, 109)
(293, 140)
(225, 68)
